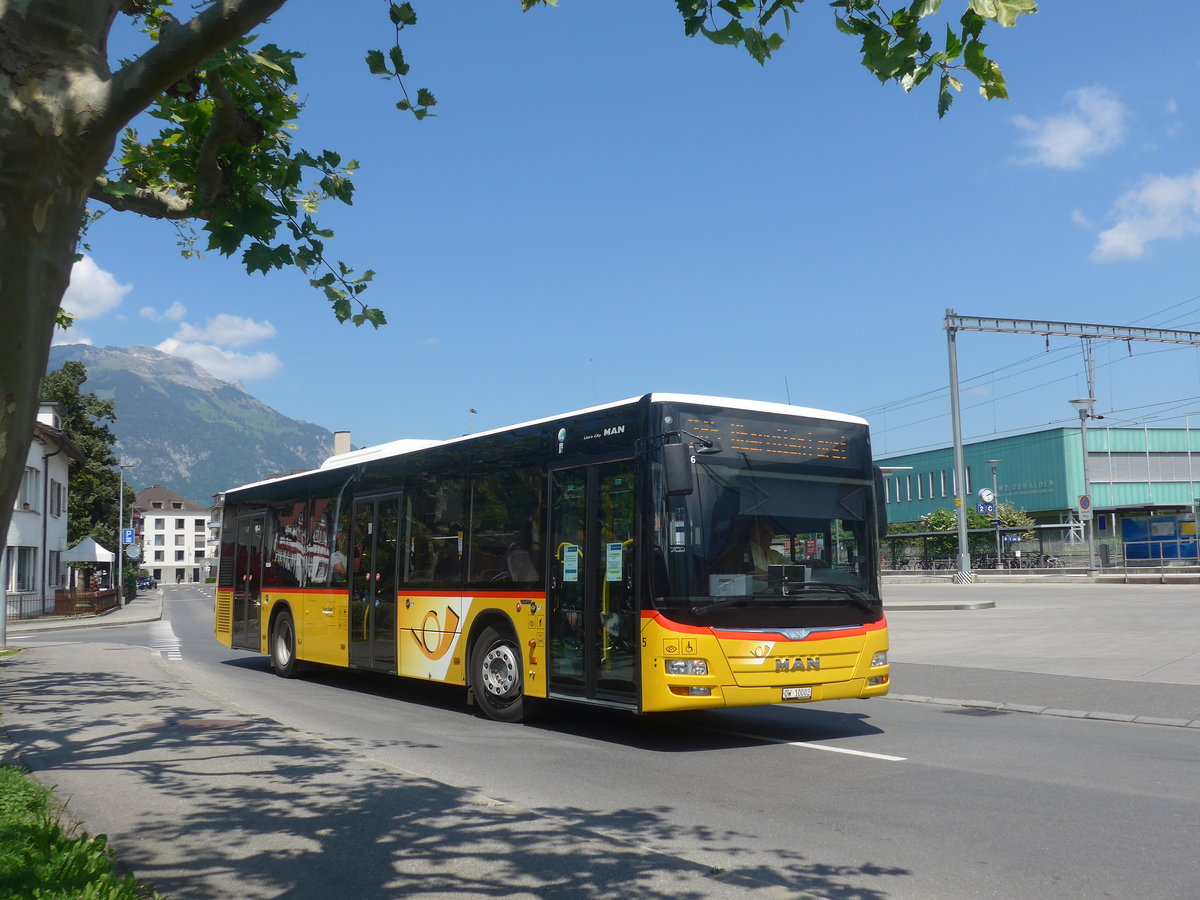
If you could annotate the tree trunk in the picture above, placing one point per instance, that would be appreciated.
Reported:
(61, 108)
(53, 75)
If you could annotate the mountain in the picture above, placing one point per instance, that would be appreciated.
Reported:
(188, 431)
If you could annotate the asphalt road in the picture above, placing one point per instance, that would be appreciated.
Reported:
(213, 778)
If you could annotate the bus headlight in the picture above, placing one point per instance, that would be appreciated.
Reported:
(686, 666)
(879, 659)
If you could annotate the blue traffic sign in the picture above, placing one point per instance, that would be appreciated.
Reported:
(128, 536)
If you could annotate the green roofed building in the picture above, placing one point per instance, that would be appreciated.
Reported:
(1142, 484)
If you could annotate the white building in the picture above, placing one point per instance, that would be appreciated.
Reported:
(173, 532)
(37, 535)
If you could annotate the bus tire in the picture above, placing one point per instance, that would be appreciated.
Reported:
(496, 677)
(283, 646)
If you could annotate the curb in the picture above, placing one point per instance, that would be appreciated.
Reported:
(992, 706)
(100, 621)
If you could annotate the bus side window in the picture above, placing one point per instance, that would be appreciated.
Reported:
(434, 521)
(505, 511)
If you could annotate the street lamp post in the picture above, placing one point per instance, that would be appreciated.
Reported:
(996, 500)
(121, 467)
(1084, 406)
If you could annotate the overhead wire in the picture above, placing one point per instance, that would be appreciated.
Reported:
(1005, 373)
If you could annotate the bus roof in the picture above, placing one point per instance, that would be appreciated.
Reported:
(411, 445)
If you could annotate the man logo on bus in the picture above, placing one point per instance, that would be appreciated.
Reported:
(799, 664)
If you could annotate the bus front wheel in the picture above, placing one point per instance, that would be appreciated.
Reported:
(283, 646)
(496, 675)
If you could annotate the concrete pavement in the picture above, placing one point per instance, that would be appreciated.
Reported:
(1129, 652)
(206, 800)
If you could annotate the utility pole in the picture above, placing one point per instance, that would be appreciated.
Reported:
(954, 323)
(996, 501)
(121, 467)
(962, 568)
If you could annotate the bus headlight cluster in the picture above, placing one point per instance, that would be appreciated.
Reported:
(687, 667)
(879, 659)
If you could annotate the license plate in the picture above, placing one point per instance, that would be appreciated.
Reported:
(797, 693)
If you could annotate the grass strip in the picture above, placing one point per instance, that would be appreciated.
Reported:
(40, 858)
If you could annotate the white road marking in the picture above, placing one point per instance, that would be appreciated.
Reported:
(163, 638)
(808, 745)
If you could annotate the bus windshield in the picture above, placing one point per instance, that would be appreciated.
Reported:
(761, 546)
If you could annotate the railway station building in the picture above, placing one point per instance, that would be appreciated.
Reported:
(1141, 488)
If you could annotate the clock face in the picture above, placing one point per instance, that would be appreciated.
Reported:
(986, 495)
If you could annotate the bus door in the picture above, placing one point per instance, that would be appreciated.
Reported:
(247, 582)
(373, 583)
(593, 615)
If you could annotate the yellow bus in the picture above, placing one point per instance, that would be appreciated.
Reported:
(667, 552)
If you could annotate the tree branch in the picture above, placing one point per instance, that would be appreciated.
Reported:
(152, 204)
(228, 125)
(179, 51)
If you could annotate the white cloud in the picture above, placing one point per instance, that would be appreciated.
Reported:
(226, 329)
(1172, 107)
(173, 313)
(1079, 217)
(92, 291)
(224, 364)
(1158, 208)
(1095, 124)
(62, 338)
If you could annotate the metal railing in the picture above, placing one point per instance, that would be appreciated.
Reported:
(64, 603)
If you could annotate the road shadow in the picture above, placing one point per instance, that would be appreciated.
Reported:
(677, 732)
(202, 802)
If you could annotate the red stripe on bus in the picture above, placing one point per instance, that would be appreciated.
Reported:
(722, 634)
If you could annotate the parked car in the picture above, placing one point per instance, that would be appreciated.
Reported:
(146, 583)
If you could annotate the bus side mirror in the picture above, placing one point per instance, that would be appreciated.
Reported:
(881, 522)
(677, 468)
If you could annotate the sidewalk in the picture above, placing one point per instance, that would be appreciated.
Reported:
(217, 802)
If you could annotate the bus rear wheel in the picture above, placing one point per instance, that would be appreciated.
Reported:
(496, 675)
(283, 646)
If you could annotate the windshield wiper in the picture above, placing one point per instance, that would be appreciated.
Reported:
(860, 599)
(701, 608)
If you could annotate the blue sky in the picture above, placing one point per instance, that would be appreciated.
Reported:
(603, 207)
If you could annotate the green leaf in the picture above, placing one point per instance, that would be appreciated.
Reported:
(945, 98)
(844, 26)
(376, 64)
(399, 66)
(374, 316)
(953, 45)
(976, 62)
(732, 33)
(402, 15)
(1003, 12)
(756, 46)
(119, 189)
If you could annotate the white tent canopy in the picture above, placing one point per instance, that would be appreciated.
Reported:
(88, 550)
